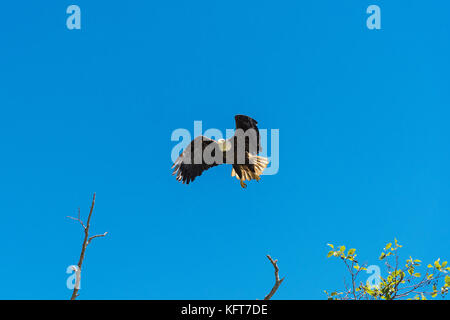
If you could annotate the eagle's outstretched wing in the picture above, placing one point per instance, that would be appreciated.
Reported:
(190, 164)
(245, 123)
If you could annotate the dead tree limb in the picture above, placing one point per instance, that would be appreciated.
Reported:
(277, 279)
(86, 241)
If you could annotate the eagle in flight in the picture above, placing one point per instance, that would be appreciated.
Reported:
(241, 151)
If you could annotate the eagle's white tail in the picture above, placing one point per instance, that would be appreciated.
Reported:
(260, 164)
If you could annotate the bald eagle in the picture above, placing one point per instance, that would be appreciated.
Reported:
(241, 151)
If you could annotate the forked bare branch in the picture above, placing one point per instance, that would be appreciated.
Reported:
(86, 241)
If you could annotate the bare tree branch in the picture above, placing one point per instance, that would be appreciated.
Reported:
(277, 279)
(86, 241)
(96, 236)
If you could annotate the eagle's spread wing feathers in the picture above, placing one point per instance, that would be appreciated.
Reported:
(245, 123)
(185, 167)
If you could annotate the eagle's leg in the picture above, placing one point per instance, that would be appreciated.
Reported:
(243, 185)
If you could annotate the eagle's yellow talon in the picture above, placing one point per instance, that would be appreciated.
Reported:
(243, 185)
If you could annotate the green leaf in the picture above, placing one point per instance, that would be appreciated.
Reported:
(388, 245)
(370, 291)
(447, 280)
(436, 264)
(342, 248)
(351, 252)
(330, 253)
(383, 255)
(330, 245)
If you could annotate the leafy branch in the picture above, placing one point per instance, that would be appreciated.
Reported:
(401, 281)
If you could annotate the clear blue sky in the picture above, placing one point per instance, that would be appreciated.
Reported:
(364, 143)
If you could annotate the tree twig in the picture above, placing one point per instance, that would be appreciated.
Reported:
(86, 241)
(278, 281)
(96, 236)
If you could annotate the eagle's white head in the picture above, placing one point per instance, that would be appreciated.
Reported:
(224, 145)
